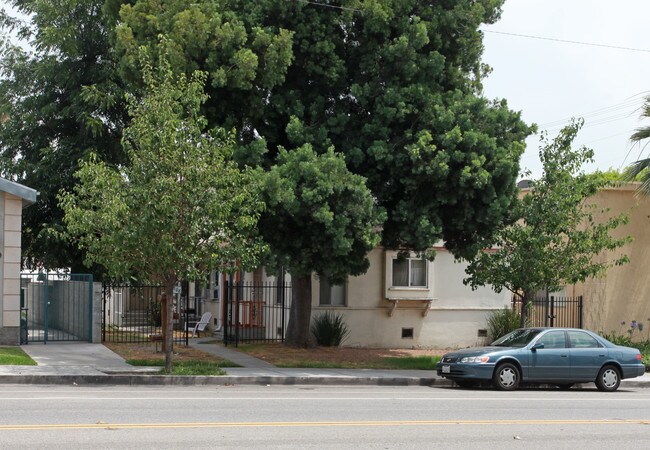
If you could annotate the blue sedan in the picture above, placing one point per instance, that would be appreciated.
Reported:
(559, 356)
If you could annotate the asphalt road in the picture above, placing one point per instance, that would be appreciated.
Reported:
(60, 417)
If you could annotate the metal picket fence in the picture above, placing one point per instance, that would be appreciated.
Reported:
(552, 311)
(256, 312)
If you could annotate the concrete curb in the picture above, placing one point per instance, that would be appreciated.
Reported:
(225, 380)
(228, 380)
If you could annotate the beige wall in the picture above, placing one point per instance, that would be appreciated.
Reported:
(623, 294)
(10, 285)
(446, 314)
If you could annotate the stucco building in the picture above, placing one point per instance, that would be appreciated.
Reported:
(13, 198)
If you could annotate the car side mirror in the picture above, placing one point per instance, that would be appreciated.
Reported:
(537, 346)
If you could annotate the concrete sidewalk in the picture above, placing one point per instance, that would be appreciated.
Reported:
(87, 364)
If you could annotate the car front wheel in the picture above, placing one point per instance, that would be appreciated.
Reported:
(609, 379)
(506, 377)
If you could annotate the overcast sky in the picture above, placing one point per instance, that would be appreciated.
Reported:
(552, 81)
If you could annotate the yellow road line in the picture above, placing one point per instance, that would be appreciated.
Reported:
(389, 423)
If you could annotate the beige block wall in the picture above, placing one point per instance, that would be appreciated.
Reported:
(453, 320)
(623, 294)
(11, 261)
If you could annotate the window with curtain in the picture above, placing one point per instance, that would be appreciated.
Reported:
(410, 272)
(331, 294)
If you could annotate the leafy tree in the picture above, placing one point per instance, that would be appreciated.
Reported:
(640, 170)
(554, 236)
(319, 218)
(60, 100)
(395, 86)
(180, 207)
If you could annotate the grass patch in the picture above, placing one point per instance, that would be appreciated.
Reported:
(388, 363)
(412, 362)
(191, 367)
(15, 356)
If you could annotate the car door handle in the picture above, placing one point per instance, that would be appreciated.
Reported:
(564, 356)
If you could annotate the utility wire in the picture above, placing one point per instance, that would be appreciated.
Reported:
(566, 41)
(597, 112)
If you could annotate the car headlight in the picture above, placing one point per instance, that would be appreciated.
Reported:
(475, 359)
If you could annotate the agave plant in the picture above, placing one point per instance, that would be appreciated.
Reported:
(329, 329)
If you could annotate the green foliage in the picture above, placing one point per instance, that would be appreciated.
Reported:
(329, 329)
(155, 313)
(60, 100)
(15, 356)
(618, 338)
(502, 322)
(192, 367)
(181, 205)
(319, 216)
(394, 86)
(640, 170)
(555, 234)
(412, 362)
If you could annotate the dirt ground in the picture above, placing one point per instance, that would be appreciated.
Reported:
(148, 351)
(278, 353)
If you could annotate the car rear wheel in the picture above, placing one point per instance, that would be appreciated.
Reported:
(609, 379)
(506, 377)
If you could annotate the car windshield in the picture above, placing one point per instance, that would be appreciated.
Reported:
(517, 338)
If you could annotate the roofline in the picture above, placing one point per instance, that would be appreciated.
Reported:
(28, 195)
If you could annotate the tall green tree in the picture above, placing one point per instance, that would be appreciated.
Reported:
(180, 207)
(394, 86)
(320, 218)
(640, 170)
(60, 101)
(555, 234)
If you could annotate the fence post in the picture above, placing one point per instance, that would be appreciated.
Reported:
(282, 308)
(46, 305)
(546, 309)
(552, 310)
(226, 311)
(580, 311)
(186, 318)
(240, 291)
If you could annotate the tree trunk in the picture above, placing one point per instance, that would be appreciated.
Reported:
(168, 325)
(298, 332)
(524, 309)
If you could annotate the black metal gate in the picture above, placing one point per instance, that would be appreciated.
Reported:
(56, 307)
(552, 311)
(255, 313)
(131, 313)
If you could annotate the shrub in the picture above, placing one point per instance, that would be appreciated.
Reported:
(329, 329)
(618, 338)
(502, 322)
(155, 313)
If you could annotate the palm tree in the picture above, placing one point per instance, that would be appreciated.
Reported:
(642, 166)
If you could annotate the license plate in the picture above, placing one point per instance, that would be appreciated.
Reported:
(446, 369)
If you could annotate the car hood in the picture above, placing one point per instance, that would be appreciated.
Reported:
(476, 351)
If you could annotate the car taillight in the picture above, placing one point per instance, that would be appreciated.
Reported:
(638, 356)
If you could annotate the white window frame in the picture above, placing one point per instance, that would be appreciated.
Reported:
(410, 284)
